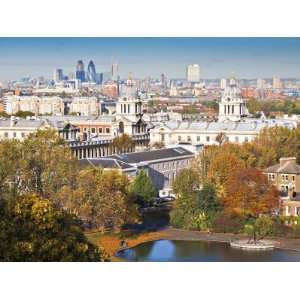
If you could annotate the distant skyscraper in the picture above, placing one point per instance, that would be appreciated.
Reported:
(276, 83)
(58, 75)
(114, 71)
(80, 74)
(91, 72)
(193, 73)
(223, 83)
(163, 80)
(260, 83)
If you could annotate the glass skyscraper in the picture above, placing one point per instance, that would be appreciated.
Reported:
(80, 74)
(91, 72)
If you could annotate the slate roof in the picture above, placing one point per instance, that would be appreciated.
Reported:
(288, 167)
(106, 163)
(138, 157)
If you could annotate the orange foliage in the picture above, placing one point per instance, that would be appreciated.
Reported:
(249, 193)
(111, 243)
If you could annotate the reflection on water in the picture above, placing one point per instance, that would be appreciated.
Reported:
(197, 251)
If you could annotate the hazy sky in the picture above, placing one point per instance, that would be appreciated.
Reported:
(217, 57)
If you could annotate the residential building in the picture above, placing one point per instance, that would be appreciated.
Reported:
(286, 177)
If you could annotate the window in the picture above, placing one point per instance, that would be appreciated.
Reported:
(84, 129)
(107, 130)
(207, 138)
(93, 130)
(189, 138)
(282, 177)
(286, 177)
(100, 130)
(246, 139)
(293, 178)
(236, 139)
(179, 138)
(273, 176)
(14, 134)
(6, 134)
(297, 211)
(162, 136)
(198, 138)
(23, 134)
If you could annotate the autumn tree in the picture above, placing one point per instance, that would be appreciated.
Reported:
(123, 143)
(32, 229)
(48, 164)
(249, 193)
(101, 199)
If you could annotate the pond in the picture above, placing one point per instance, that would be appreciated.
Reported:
(203, 251)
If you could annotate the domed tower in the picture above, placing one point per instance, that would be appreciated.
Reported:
(232, 106)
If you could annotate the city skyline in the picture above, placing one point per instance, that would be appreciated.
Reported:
(217, 57)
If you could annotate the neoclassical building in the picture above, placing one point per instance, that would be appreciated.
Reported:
(232, 122)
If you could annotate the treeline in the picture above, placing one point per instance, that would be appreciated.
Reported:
(268, 106)
(47, 200)
(226, 190)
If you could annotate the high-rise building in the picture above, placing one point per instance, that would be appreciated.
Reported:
(193, 73)
(260, 83)
(80, 74)
(223, 83)
(276, 83)
(114, 72)
(163, 80)
(58, 75)
(91, 72)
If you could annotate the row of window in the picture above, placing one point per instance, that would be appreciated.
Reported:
(208, 139)
(289, 210)
(171, 164)
(284, 177)
(100, 130)
(14, 134)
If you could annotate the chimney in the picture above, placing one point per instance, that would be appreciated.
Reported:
(284, 160)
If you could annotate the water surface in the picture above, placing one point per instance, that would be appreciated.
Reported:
(202, 251)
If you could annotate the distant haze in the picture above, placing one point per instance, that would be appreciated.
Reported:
(217, 57)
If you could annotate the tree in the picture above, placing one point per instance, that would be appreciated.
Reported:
(186, 183)
(249, 193)
(101, 199)
(259, 228)
(142, 188)
(24, 114)
(48, 164)
(123, 143)
(195, 205)
(32, 229)
(221, 138)
(207, 200)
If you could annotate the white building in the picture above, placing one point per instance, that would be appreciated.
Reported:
(223, 83)
(232, 106)
(193, 73)
(276, 83)
(232, 122)
(85, 106)
(37, 105)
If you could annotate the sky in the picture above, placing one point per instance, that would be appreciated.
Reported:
(217, 57)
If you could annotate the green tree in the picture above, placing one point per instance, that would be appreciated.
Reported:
(32, 229)
(257, 229)
(142, 188)
(24, 114)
